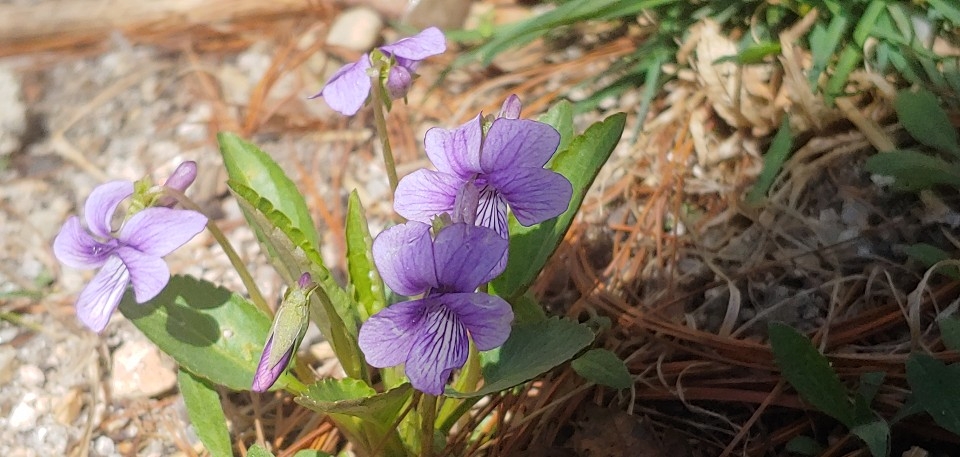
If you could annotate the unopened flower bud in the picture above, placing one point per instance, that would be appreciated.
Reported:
(180, 180)
(289, 326)
(398, 82)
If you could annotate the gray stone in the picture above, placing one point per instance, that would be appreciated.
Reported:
(104, 446)
(140, 371)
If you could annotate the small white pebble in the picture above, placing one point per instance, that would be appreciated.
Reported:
(31, 375)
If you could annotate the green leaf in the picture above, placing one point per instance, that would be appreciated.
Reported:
(804, 445)
(947, 9)
(209, 331)
(363, 273)
(935, 388)
(560, 116)
(757, 53)
(532, 349)
(526, 309)
(248, 165)
(824, 42)
(354, 398)
(928, 255)
(877, 436)
(365, 417)
(950, 331)
(206, 413)
(530, 247)
(332, 309)
(809, 372)
(571, 12)
(913, 170)
(258, 451)
(603, 367)
(921, 115)
(870, 384)
(773, 161)
(311, 453)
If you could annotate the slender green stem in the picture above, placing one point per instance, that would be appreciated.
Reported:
(255, 296)
(381, 124)
(428, 414)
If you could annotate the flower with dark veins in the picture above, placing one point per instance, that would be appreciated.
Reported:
(505, 164)
(430, 334)
(133, 254)
(349, 87)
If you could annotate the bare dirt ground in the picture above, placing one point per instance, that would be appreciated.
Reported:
(688, 274)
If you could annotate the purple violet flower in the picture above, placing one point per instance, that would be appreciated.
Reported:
(429, 334)
(348, 88)
(133, 254)
(505, 165)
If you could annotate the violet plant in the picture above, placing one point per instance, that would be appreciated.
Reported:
(442, 295)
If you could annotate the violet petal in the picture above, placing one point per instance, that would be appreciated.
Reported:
(466, 204)
(534, 194)
(466, 256)
(267, 375)
(76, 248)
(486, 317)
(348, 88)
(456, 151)
(492, 211)
(403, 255)
(428, 42)
(159, 231)
(387, 337)
(423, 194)
(102, 295)
(511, 107)
(441, 348)
(101, 204)
(149, 274)
(515, 143)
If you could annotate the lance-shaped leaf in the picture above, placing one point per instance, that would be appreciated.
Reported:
(206, 413)
(248, 165)
(809, 372)
(332, 309)
(363, 273)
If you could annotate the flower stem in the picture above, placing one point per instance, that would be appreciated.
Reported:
(255, 296)
(380, 120)
(428, 407)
